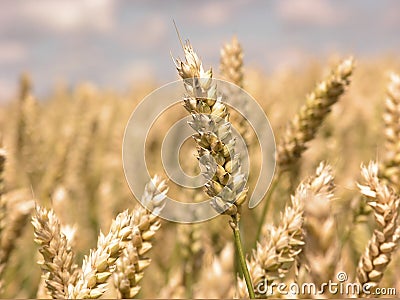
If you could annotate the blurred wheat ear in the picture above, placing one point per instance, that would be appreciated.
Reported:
(15, 209)
(390, 166)
(318, 104)
(231, 68)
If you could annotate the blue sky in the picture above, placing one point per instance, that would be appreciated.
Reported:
(116, 44)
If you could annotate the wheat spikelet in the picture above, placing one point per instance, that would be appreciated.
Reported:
(58, 267)
(305, 124)
(280, 246)
(214, 137)
(390, 165)
(383, 242)
(145, 224)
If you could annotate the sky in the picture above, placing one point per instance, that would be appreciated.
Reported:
(117, 44)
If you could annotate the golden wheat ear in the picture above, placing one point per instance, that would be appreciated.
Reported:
(280, 245)
(58, 267)
(381, 246)
(305, 124)
(98, 266)
(144, 223)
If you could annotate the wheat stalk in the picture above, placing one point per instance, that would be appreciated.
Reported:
(385, 204)
(58, 266)
(280, 246)
(145, 223)
(318, 104)
(390, 165)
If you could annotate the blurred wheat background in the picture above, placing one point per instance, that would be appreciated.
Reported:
(71, 74)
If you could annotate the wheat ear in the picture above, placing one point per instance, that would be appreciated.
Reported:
(318, 104)
(18, 213)
(231, 68)
(215, 145)
(390, 166)
(133, 260)
(191, 245)
(231, 62)
(27, 134)
(98, 266)
(321, 244)
(58, 266)
(281, 245)
(14, 214)
(214, 137)
(385, 204)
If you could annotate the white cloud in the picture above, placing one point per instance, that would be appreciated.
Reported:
(69, 15)
(213, 13)
(318, 12)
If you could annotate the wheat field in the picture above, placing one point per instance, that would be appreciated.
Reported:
(71, 228)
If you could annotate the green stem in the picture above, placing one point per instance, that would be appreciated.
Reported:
(242, 260)
(268, 197)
